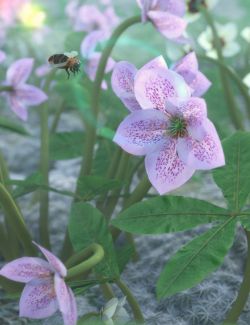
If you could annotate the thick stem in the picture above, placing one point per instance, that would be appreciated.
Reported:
(132, 302)
(91, 128)
(233, 111)
(16, 221)
(98, 254)
(57, 117)
(240, 302)
(6, 88)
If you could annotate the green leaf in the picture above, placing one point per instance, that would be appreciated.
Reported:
(12, 126)
(87, 226)
(92, 186)
(66, 145)
(196, 260)
(104, 151)
(234, 177)
(168, 214)
(30, 184)
(124, 255)
(245, 220)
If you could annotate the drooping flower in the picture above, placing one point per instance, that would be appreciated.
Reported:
(45, 290)
(245, 34)
(22, 95)
(227, 34)
(165, 15)
(114, 311)
(166, 125)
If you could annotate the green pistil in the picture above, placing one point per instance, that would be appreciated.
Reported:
(177, 128)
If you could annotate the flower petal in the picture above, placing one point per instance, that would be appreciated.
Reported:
(56, 264)
(204, 154)
(169, 25)
(19, 71)
(175, 7)
(200, 84)
(158, 62)
(25, 269)
(30, 95)
(38, 300)
(90, 42)
(18, 107)
(187, 63)
(154, 87)
(2, 56)
(165, 170)
(66, 301)
(140, 131)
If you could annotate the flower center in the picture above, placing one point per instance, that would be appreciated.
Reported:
(177, 127)
(193, 5)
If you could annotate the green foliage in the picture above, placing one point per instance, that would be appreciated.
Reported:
(66, 145)
(29, 185)
(104, 151)
(9, 125)
(234, 177)
(124, 255)
(194, 261)
(168, 214)
(87, 226)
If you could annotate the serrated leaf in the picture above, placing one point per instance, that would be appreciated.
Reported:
(196, 260)
(12, 126)
(66, 145)
(87, 226)
(234, 177)
(90, 187)
(168, 214)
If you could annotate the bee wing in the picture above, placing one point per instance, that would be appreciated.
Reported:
(58, 65)
(71, 54)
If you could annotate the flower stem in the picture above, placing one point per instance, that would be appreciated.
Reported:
(16, 221)
(233, 111)
(132, 301)
(6, 88)
(91, 129)
(74, 271)
(44, 168)
(239, 303)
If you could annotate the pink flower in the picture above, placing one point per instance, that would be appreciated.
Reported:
(45, 290)
(166, 125)
(166, 15)
(9, 9)
(22, 95)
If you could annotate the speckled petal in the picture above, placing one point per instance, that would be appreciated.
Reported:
(204, 154)
(38, 300)
(55, 263)
(154, 87)
(200, 84)
(168, 25)
(19, 71)
(140, 131)
(188, 63)
(30, 95)
(18, 107)
(66, 301)
(90, 42)
(175, 7)
(165, 170)
(25, 269)
(158, 62)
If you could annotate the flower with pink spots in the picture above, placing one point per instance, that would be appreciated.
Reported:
(45, 290)
(22, 95)
(166, 124)
(165, 15)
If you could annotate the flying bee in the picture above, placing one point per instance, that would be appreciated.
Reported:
(68, 61)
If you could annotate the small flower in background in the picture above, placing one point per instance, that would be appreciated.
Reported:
(114, 311)
(45, 290)
(165, 15)
(2, 56)
(32, 16)
(166, 125)
(246, 81)
(245, 34)
(227, 34)
(22, 95)
(193, 10)
(9, 10)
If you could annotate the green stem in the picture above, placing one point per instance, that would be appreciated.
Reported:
(132, 301)
(87, 316)
(91, 128)
(6, 88)
(233, 111)
(240, 302)
(44, 168)
(56, 118)
(98, 254)
(16, 221)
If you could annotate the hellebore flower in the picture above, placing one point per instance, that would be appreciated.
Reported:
(227, 34)
(245, 34)
(45, 290)
(22, 95)
(171, 129)
(165, 15)
(188, 68)
(114, 311)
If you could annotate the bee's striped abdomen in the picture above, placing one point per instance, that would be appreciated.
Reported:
(58, 58)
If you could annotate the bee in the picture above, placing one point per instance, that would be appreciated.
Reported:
(68, 61)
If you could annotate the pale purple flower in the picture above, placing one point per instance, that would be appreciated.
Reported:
(2, 56)
(22, 95)
(166, 125)
(45, 290)
(188, 68)
(166, 16)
